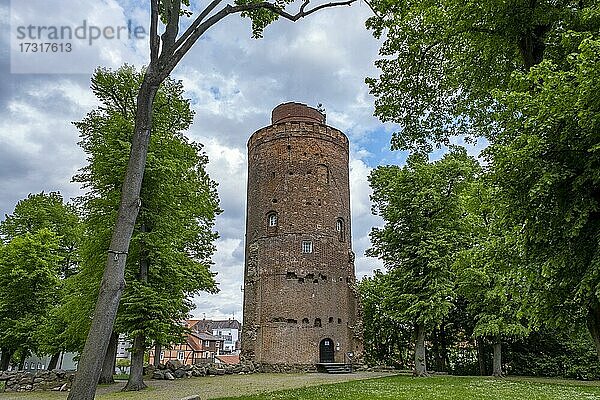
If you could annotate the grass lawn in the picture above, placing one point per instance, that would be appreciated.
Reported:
(351, 386)
(442, 388)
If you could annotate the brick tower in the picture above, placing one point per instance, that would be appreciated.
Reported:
(300, 298)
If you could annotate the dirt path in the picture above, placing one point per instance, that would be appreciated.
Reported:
(209, 387)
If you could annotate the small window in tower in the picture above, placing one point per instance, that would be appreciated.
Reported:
(340, 229)
(307, 246)
(318, 322)
(305, 321)
(331, 320)
(272, 219)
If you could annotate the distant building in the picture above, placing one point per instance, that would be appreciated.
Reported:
(123, 348)
(34, 363)
(198, 347)
(226, 330)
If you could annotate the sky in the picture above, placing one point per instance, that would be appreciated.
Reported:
(233, 82)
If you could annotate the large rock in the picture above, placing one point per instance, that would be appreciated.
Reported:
(174, 364)
(179, 373)
(158, 374)
(169, 376)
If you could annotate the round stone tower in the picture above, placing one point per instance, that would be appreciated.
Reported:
(300, 298)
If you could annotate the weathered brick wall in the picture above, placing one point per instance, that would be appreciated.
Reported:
(298, 170)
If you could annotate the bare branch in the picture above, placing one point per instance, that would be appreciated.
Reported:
(378, 15)
(209, 8)
(154, 39)
(282, 13)
(303, 6)
(172, 28)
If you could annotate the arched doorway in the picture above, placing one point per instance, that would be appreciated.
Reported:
(326, 351)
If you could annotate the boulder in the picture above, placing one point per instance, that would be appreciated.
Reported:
(179, 373)
(158, 374)
(174, 364)
(169, 376)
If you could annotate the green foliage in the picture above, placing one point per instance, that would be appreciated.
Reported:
(442, 60)
(524, 75)
(46, 210)
(261, 17)
(173, 234)
(553, 352)
(487, 271)
(423, 230)
(386, 340)
(547, 166)
(42, 238)
(29, 285)
(122, 364)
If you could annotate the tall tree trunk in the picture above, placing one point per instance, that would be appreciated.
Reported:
(5, 359)
(532, 45)
(593, 323)
(136, 372)
(110, 359)
(497, 371)
(481, 356)
(420, 362)
(53, 361)
(444, 348)
(437, 357)
(157, 351)
(111, 287)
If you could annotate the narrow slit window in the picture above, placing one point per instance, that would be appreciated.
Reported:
(340, 228)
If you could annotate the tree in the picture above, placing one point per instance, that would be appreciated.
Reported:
(43, 211)
(123, 364)
(488, 272)
(166, 51)
(169, 256)
(29, 280)
(441, 61)
(420, 204)
(385, 338)
(546, 164)
(47, 210)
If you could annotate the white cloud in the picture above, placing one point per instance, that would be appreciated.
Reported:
(362, 219)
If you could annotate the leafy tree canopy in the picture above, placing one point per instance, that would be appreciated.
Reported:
(546, 163)
(441, 60)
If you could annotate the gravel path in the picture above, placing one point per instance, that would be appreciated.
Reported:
(209, 387)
